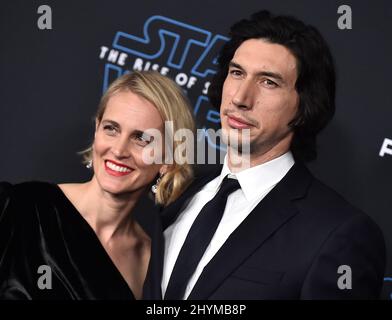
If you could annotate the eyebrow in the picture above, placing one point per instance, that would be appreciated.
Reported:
(135, 132)
(271, 74)
(113, 123)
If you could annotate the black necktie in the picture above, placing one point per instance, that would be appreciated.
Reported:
(198, 239)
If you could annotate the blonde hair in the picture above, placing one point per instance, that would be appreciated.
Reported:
(173, 106)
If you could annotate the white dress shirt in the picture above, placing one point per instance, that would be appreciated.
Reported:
(255, 184)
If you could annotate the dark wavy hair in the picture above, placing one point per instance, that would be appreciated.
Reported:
(316, 73)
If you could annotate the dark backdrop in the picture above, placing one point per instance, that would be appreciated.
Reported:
(51, 82)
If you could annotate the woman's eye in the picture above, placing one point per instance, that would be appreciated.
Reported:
(110, 129)
(143, 139)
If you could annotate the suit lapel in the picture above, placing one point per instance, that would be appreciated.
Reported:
(171, 212)
(152, 286)
(268, 216)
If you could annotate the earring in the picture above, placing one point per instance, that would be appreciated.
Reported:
(89, 164)
(154, 187)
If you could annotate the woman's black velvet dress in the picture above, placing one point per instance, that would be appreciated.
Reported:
(39, 226)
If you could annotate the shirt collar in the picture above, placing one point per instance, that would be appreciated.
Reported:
(258, 179)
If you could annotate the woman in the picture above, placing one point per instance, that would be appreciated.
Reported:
(80, 240)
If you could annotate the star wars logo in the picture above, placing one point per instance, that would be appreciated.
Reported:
(181, 51)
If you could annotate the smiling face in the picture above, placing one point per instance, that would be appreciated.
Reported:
(120, 138)
(259, 94)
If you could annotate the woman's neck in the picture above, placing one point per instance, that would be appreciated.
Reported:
(109, 215)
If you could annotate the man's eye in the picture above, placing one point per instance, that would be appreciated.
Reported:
(269, 83)
(235, 72)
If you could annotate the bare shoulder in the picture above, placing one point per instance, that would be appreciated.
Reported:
(72, 187)
(72, 190)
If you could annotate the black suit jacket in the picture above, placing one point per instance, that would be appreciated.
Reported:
(289, 247)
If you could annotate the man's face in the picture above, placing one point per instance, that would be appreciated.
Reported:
(259, 94)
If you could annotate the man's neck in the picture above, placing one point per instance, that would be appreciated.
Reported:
(239, 162)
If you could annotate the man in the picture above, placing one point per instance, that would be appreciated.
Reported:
(282, 234)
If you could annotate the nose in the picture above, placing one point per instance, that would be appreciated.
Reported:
(121, 148)
(243, 96)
